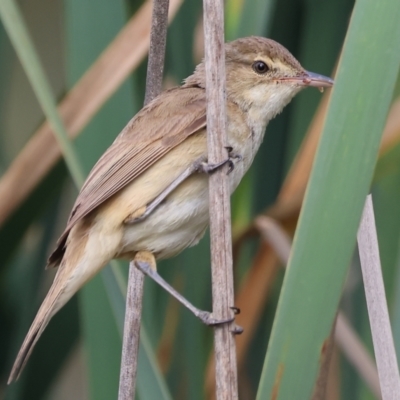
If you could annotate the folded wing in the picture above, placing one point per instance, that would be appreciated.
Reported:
(159, 127)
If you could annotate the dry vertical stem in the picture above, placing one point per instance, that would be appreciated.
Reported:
(255, 293)
(134, 296)
(158, 40)
(384, 349)
(130, 345)
(220, 224)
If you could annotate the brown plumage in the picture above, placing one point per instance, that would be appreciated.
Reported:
(122, 162)
(156, 147)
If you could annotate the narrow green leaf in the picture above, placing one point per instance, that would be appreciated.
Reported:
(16, 28)
(340, 180)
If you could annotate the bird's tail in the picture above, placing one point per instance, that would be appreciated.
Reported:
(54, 300)
(82, 260)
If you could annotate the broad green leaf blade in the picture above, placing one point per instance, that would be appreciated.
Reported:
(340, 180)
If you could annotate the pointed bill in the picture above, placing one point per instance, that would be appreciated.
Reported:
(311, 79)
(317, 80)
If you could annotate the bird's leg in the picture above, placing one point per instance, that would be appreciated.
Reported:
(144, 212)
(146, 263)
(199, 166)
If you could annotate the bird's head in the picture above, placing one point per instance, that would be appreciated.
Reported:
(262, 76)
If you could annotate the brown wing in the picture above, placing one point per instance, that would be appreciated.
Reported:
(154, 131)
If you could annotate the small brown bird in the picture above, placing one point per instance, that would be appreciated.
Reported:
(143, 199)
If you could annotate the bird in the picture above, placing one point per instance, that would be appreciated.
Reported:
(146, 198)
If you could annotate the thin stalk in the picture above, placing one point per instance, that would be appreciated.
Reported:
(378, 313)
(134, 297)
(220, 223)
(158, 40)
(131, 338)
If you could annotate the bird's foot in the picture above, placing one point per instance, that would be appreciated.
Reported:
(207, 168)
(207, 319)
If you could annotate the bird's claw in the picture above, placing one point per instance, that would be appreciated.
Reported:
(232, 155)
(236, 310)
(207, 319)
(236, 329)
(207, 168)
(204, 167)
(231, 166)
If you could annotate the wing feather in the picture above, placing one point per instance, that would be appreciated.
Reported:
(153, 132)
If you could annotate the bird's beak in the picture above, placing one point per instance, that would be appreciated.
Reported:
(311, 79)
(317, 80)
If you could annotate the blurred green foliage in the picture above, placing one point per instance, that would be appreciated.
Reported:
(69, 35)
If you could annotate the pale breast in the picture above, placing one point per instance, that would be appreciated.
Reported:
(181, 220)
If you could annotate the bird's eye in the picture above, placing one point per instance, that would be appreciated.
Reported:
(260, 67)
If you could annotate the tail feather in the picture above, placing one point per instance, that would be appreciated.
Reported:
(26, 350)
(77, 266)
(49, 307)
